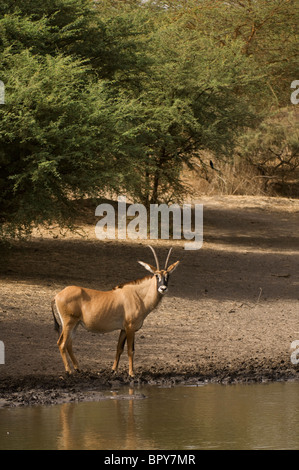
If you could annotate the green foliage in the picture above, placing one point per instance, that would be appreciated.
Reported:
(193, 97)
(267, 31)
(53, 128)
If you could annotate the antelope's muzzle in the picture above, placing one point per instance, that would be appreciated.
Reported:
(162, 289)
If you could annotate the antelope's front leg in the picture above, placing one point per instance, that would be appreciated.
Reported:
(130, 340)
(120, 347)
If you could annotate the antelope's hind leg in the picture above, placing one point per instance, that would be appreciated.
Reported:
(65, 345)
(120, 347)
(69, 348)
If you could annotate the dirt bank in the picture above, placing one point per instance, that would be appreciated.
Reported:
(231, 313)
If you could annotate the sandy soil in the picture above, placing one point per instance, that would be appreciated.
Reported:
(230, 315)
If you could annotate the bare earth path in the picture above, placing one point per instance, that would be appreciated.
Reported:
(231, 313)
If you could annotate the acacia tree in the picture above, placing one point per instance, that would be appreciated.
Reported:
(267, 31)
(57, 124)
(230, 64)
(54, 131)
(194, 96)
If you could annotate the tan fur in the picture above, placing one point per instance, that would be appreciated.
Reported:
(124, 308)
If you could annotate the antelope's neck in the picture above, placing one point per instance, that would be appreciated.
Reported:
(149, 294)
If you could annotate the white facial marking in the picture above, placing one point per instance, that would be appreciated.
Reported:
(162, 289)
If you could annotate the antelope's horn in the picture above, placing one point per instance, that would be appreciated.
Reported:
(166, 262)
(156, 259)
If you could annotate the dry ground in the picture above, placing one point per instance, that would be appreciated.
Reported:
(231, 313)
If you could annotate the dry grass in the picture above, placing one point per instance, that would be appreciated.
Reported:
(240, 178)
(226, 178)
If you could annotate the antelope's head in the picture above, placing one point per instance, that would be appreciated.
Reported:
(162, 275)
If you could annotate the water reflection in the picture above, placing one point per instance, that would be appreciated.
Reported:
(102, 425)
(208, 417)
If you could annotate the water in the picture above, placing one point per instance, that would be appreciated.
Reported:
(257, 416)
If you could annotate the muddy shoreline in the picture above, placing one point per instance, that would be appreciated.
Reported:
(89, 386)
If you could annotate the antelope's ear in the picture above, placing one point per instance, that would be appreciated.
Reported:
(149, 267)
(172, 267)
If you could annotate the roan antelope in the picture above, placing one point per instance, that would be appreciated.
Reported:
(125, 307)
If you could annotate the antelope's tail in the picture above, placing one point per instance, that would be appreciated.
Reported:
(56, 324)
